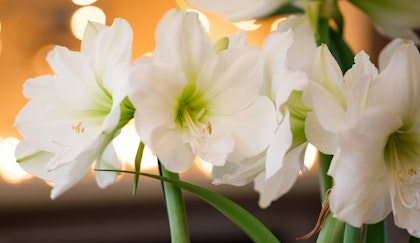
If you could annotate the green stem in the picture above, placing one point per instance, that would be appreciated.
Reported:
(323, 32)
(352, 234)
(375, 232)
(332, 230)
(325, 181)
(137, 165)
(175, 207)
(414, 240)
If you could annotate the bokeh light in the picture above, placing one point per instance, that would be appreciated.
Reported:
(83, 2)
(311, 156)
(81, 17)
(10, 170)
(247, 25)
(126, 145)
(276, 23)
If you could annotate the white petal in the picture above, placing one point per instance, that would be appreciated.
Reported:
(361, 191)
(406, 218)
(393, 18)
(174, 153)
(278, 148)
(111, 45)
(34, 162)
(50, 125)
(324, 140)
(155, 92)
(240, 173)
(116, 82)
(89, 36)
(329, 112)
(284, 82)
(231, 82)
(182, 41)
(361, 67)
(399, 79)
(326, 71)
(108, 161)
(303, 50)
(282, 181)
(275, 49)
(76, 82)
(71, 173)
(215, 149)
(357, 199)
(239, 9)
(252, 129)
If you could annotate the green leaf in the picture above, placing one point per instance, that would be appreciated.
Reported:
(340, 50)
(238, 215)
(287, 9)
(137, 165)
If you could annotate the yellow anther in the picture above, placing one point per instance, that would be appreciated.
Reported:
(78, 128)
(412, 172)
(209, 129)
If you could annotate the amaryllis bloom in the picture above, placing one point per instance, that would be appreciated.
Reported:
(196, 101)
(374, 119)
(71, 117)
(393, 18)
(236, 10)
(276, 170)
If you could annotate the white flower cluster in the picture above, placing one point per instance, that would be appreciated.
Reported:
(249, 112)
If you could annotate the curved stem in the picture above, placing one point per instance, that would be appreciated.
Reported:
(175, 207)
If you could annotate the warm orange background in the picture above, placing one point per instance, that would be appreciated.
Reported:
(30, 28)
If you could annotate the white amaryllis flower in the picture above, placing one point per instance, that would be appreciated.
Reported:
(275, 171)
(197, 102)
(396, 19)
(373, 120)
(236, 10)
(71, 117)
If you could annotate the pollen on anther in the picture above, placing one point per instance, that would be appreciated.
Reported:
(412, 172)
(209, 128)
(78, 128)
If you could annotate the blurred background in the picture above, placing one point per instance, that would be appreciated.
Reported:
(28, 30)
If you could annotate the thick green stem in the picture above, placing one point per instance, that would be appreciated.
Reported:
(332, 230)
(375, 232)
(175, 207)
(352, 234)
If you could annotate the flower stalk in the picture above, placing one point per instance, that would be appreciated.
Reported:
(175, 207)
(375, 232)
(352, 234)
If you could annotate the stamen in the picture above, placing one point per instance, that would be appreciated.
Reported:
(196, 130)
(78, 128)
(404, 179)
